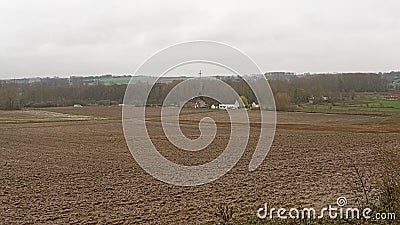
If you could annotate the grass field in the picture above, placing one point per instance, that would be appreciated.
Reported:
(379, 108)
(382, 104)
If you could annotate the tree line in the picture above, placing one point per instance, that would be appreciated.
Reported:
(297, 90)
(17, 96)
(330, 88)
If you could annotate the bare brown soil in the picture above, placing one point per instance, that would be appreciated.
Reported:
(82, 171)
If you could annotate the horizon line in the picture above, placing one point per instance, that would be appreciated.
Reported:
(182, 75)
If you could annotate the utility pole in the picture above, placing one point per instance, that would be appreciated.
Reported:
(201, 84)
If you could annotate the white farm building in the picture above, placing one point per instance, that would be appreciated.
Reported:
(229, 106)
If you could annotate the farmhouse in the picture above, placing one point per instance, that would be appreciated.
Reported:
(196, 103)
(391, 98)
(255, 105)
(229, 106)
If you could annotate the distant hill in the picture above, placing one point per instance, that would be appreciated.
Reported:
(91, 80)
(393, 78)
(280, 76)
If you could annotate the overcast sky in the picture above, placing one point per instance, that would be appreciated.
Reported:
(81, 37)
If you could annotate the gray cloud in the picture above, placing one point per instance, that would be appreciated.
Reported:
(47, 37)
